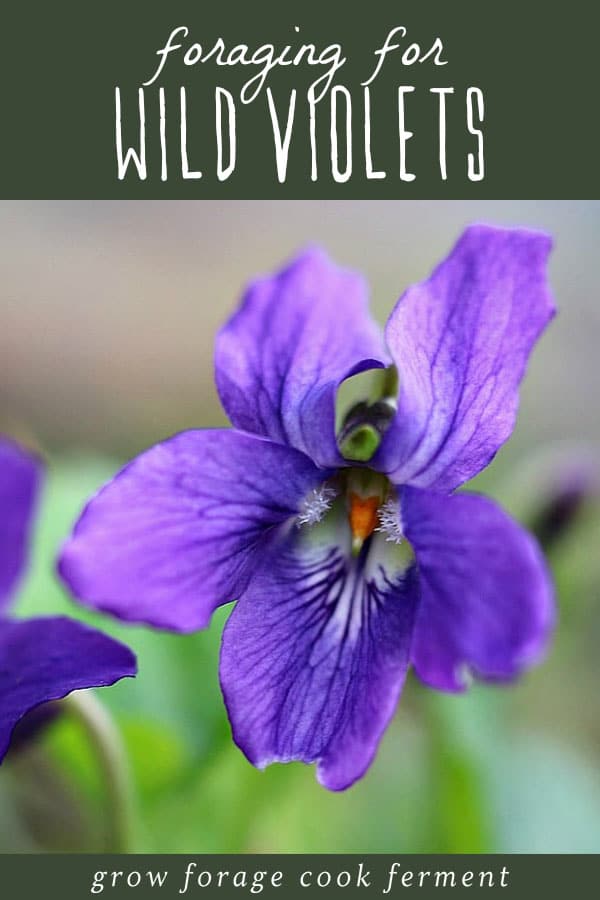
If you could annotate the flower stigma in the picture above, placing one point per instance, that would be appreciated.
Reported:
(362, 516)
(366, 491)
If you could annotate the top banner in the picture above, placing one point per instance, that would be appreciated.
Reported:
(414, 99)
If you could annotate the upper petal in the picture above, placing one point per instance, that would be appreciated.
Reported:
(181, 529)
(313, 660)
(20, 475)
(487, 603)
(47, 658)
(281, 357)
(461, 341)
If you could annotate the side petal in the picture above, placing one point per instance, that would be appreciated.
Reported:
(45, 659)
(20, 476)
(313, 661)
(281, 357)
(461, 341)
(181, 529)
(487, 604)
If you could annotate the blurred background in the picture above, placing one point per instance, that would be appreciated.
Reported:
(108, 312)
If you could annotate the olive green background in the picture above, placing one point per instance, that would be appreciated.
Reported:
(534, 61)
(71, 877)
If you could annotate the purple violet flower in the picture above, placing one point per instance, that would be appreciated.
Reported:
(45, 658)
(350, 557)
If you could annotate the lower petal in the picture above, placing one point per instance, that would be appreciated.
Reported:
(47, 658)
(313, 661)
(487, 603)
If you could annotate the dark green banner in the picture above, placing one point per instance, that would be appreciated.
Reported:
(186, 99)
(214, 876)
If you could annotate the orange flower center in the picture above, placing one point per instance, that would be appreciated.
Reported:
(362, 515)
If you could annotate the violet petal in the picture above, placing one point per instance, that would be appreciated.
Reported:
(487, 604)
(20, 476)
(47, 658)
(297, 335)
(182, 528)
(313, 661)
(461, 341)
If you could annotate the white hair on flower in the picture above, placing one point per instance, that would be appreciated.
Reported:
(316, 505)
(390, 520)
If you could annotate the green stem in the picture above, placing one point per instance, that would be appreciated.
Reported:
(105, 738)
(460, 815)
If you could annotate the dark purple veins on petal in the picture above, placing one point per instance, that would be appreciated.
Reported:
(313, 660)
(183, 527)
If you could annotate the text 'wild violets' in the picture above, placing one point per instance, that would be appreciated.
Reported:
(350, 555)
(45, 658)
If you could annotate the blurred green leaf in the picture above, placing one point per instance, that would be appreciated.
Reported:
(157, 757)
(232, 807)
(460, 729)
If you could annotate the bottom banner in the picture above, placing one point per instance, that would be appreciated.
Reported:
(303, 875)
